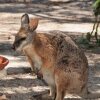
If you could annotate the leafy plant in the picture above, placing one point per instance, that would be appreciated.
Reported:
(82, 40)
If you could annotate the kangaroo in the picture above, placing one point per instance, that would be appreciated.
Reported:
(62, 63)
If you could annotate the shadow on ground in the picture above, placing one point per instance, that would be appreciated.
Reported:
(67, 12)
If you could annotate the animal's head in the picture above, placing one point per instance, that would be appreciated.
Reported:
(28, 26)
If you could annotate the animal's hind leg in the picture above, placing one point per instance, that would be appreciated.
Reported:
(60, 87)
(60, 93)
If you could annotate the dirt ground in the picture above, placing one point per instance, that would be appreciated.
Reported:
(73, 18)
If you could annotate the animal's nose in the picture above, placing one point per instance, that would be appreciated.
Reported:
(13, 47)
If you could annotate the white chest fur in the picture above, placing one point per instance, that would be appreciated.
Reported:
(48, 77)
(37, 61)
(34, 57)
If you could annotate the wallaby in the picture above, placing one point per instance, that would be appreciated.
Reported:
(62, 63)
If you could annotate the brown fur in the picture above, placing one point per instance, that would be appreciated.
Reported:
(62, 63)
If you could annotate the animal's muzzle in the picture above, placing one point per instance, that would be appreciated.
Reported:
(13, 47)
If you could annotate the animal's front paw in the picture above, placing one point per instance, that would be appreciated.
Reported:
(39, 75)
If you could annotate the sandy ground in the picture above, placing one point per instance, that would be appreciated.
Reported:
(74, 18)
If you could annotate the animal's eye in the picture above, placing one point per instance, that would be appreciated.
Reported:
(22, 39)
(18, 41)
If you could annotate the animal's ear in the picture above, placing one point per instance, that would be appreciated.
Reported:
(33, 24)
(25, 21)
